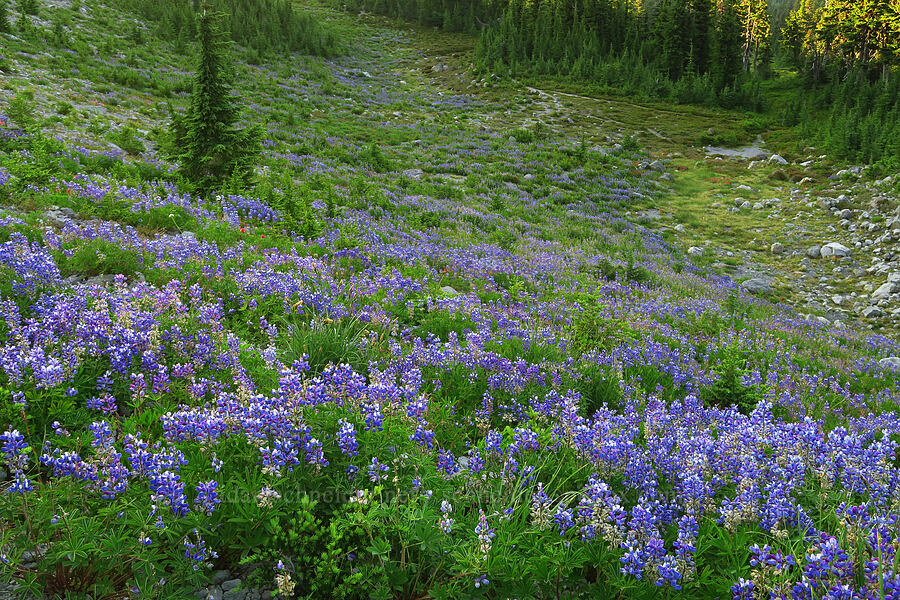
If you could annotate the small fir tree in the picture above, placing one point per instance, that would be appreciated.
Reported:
(28, 7)
(5, 26)
(208, 144)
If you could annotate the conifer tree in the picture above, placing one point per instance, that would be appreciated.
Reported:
(5, 27)
(209, 146)
(29, 7)
(701, 11)
(727, 46)
(757, 28)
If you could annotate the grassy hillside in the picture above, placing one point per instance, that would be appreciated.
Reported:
(450, 344)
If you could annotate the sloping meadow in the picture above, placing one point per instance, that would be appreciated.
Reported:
(457, 370)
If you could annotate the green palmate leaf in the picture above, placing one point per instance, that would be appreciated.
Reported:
(379, 547)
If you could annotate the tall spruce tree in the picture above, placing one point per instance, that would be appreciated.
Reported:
(727, 46)
(209, 146)
(701, 12)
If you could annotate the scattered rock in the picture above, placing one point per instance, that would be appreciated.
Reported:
(777, 248)
(891, 362)
(777, 159)
(814, 252)
(450, 291)
(695, 251)
(414, 174)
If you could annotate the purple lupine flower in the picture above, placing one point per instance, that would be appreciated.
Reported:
(197, 551)
(207, 497)
(446, 522)
(377, 471)
(485, 535)
(346, 438)
(315, 455)
(422, 436)
(168, 490)
(743, 590)
(540, 508)
(447, 464)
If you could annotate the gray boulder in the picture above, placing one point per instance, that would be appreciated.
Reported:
(872, 312)
(835, 249)
(757, 286)
(885, 290)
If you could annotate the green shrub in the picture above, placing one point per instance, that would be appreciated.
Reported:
(375, 159)
(63, 108)
(125, 137)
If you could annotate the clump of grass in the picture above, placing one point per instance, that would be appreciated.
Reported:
(330, 341)
(100, 257)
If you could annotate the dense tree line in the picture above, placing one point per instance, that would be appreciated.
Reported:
(718, 52)
(626, 45)
(859, 35)
(848, 53)
(264, 25)
(450, 15)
